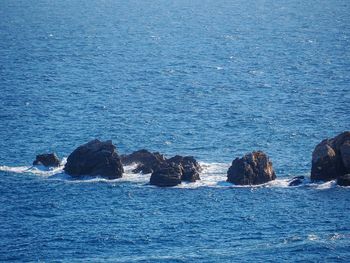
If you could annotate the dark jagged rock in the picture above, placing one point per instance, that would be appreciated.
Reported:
(298, 180)
(47, 159)
(252, 169)
(331, 158)
(95, 158)
(168, 174)
(151, 162)
(190, 167)
(147, 161)
(344, 180)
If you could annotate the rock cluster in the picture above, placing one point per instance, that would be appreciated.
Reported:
(165, 172)
(175, 170)
(330, 161)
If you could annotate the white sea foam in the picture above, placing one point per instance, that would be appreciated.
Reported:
(37, 170)
(325, 185)
(212, 175)
(312, 237)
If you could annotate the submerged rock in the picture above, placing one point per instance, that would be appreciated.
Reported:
(331, 158)
(47, 159)
(252, 169)
(95, 158)
(344, 180)
(190, 167)
(298, 180)
(147, 161)
(168, 174)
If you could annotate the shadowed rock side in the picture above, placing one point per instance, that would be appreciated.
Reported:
(47, 159)
(252, 169)
(95, 158)
(175, 170)
(168, 174)
(331, 158)
(189, 166)
(147, 161)
(344, 180)
(185, 168)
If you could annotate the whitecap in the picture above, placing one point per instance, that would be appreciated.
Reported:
(312, 237)
(36, 170)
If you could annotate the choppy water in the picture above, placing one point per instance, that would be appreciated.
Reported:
(213, 79)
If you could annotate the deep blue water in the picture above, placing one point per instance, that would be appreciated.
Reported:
(212, 79)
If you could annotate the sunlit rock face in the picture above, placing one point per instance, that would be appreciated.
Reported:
(252, 169)
(331, 158)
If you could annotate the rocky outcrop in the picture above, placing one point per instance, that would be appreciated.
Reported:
(344, 180)
(168, 174)
(331, 158)
(47, 159)
(175, 170)
(146, 161)
(298, 180)
(95, 158)
(252, 169)
(190, 168)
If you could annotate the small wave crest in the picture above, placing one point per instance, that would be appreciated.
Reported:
(39, 170)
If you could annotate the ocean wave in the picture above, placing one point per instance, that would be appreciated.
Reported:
(212, 175)
(39, 170)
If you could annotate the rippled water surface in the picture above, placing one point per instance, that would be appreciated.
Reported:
(212, 79)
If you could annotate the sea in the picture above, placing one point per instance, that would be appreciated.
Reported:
(211, 79)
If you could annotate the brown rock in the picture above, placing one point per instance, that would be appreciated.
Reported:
(252, 169)
(331, 158)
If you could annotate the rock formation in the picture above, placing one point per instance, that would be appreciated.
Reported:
(147, 162)
(190, 167)
(252, 169)
(95, 158)
(47, 159)
(167, 175)
(344, 180)
(331, 158)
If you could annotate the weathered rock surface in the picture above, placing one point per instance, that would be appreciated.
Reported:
(184, 166)
(298, 180)
(147, 161)
(47, 159)
(331, 158)
(95, 158)
(176, 169)
(168, 174)
(189, 166)
(252, 169)
(344, 180)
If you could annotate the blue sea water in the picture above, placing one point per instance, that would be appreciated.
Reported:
(212, 79)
